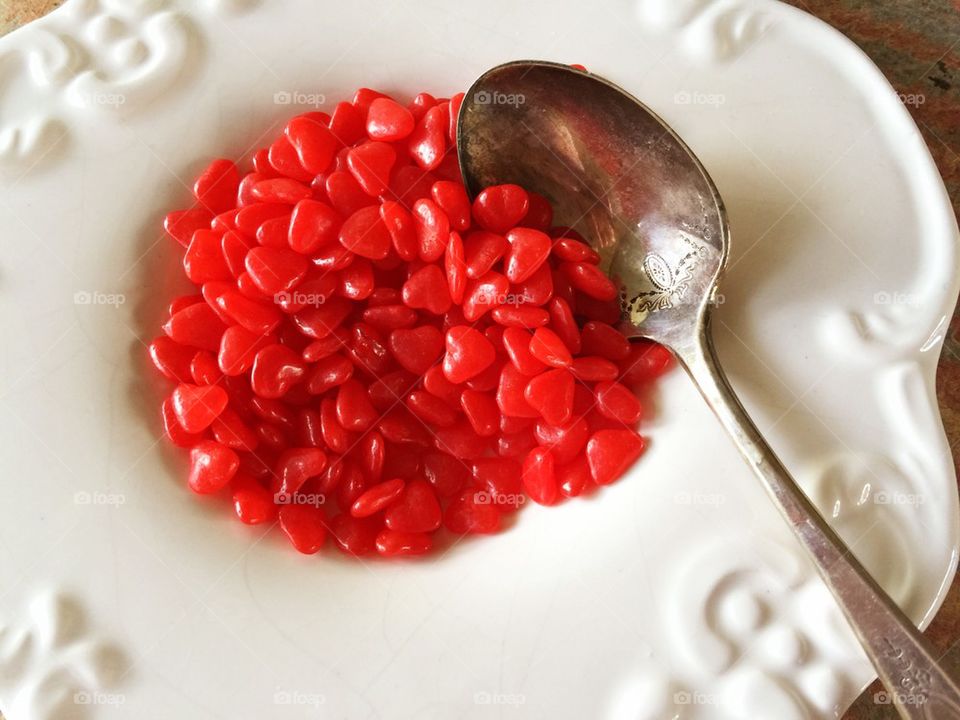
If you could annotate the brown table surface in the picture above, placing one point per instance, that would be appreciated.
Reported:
(916, 44)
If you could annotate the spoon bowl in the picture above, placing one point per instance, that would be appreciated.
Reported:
(624, 179)
(614, 171)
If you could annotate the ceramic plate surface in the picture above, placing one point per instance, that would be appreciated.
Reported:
(676, 593)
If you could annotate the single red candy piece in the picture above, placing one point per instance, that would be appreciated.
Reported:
(315, 145)
(574, 477)
(305, 526)
(204, 260)
(452, 198)
(346, 123)
(345, 193)
(563, 324)
(319, 321)
(173, 429)
(590, 280)
(572, 250)
(297, 465)
(500, 208)
(281, 190)
(402, 229)
(275, 270)
(528, 251)
(466, 516)
(416, 349)
(539, 476)
(416, 510)
(611, 452)
(599, 338)
(420, 104)
(212, 466)
(230, 429)
(276, 368)
(427, 289)
(171, 358)
(356, 280)
(196, 325)
(273, 232)
(511, 397)
(355, 536)
(313, 224)
(468, 353)
(252, 502)
(537, 289)
(433, 229)
(390, 317)
(196, 406)
(481, 251)
(238, 348)
(539, 214)
(551, 393)
(483, 294)
(333, 433)
(617, 402)
(501, 479)
(431, 409)
(547, 347)
(365, 233)
(565, 441)
(284, 159)
(203, 368)
(376, 498)
(456, 268)
(481, 411)
(254, 316)
(388, 120)
(516, 341)
(428, 141)
(591, 368)
(646, 361)
(445, 473)
(181, 224)
(328, 372)
(392, 544)
(216, 187)
(354, 409)
(370, 164)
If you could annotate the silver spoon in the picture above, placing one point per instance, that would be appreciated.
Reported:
(644, 201)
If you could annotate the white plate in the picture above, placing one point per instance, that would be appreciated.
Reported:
(675, 593)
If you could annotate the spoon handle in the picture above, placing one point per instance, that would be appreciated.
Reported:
(917, 686)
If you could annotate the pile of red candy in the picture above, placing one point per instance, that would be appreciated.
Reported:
(371, 356)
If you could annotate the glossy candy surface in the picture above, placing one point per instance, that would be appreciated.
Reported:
(370, 360)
